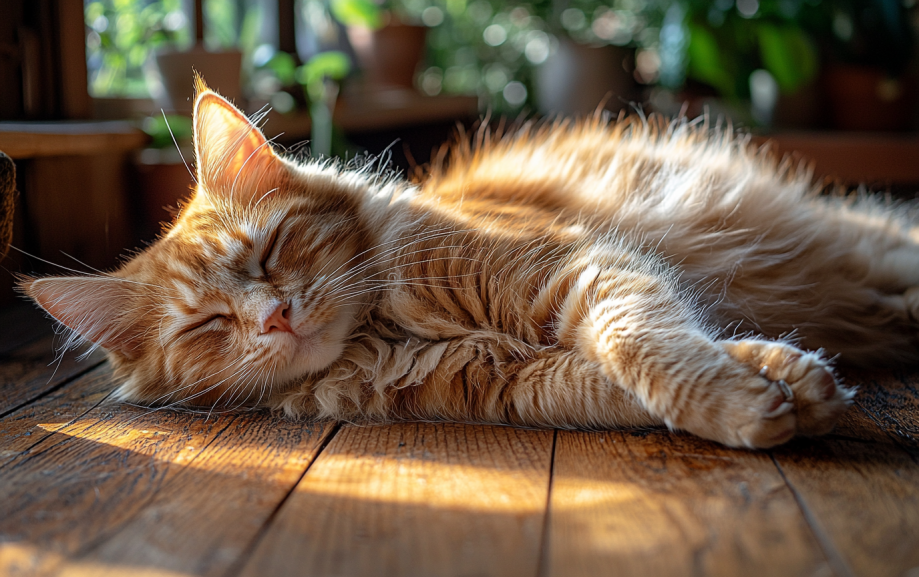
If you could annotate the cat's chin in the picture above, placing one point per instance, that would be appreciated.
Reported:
(316, 348)
(314, 352)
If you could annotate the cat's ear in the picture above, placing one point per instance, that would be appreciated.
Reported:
(98, 309)
(235, 161)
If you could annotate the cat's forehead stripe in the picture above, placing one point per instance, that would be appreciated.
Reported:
(188, 292)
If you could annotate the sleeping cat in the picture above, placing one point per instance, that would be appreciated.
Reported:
(576, 274)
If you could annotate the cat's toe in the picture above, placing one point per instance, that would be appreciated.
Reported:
(819, 398)
(820, 401)
(770, 419)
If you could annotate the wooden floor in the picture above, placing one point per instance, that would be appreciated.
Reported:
(89, 487)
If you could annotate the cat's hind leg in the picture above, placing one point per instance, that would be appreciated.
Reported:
(861, 265)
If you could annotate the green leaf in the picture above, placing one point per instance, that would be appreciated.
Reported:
(158, 127)
(284, 67)
(332, 64)
(788, 54)
(706, 64)
(357, 13)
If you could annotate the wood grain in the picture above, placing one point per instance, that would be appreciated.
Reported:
(655, 503)
(890, 401)
(861, 499)
(415, 499)
(202, 521)
(25, 428)
(91, 493)
(28, 372)
(71, 55)
(89, 478)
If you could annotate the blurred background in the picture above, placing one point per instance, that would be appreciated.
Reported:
(95, 95)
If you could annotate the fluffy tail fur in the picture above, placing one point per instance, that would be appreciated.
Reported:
(7, 202)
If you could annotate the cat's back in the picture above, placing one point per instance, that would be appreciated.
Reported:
(636, 174)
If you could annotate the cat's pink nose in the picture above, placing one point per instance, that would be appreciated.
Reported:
(277, 320)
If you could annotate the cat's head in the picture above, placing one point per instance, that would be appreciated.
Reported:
(250, 289)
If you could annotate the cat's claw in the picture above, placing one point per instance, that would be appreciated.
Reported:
(803, 396)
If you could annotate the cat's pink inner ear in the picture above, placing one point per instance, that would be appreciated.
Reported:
(96, 308)
(234, 159)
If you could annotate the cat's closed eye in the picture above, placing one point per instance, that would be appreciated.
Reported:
(213, 322)
(269, 250)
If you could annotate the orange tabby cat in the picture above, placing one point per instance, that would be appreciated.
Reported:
(578, 274)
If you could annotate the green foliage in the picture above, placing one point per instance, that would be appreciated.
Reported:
(121, 36)
(320, 77)
(284, 67)
(162, 129)
(728, 42)
(706, 63)
(331, 65)
(481, 47)
(788, 54)
(365, 13)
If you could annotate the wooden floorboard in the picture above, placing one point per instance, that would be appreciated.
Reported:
(861, 496)
(95, 474)
(202, 521)
(29, 426)
(91, 487)
(890, 400)
(94, 488)
(415, 499)
(658, 504)
(32, 370)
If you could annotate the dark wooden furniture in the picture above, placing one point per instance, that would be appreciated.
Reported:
(879, 160)
(71, 171)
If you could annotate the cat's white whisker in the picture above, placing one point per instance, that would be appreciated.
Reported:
(178, 148)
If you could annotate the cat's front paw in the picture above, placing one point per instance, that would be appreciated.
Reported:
(801, 384)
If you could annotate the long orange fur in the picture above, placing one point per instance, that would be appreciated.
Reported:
(573, 274)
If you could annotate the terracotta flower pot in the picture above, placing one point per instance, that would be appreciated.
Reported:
(577, 78)
(163, 181)
(391, 55)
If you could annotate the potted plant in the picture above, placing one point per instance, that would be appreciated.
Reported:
(320, 78)
(591, 59)
(388, 47)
